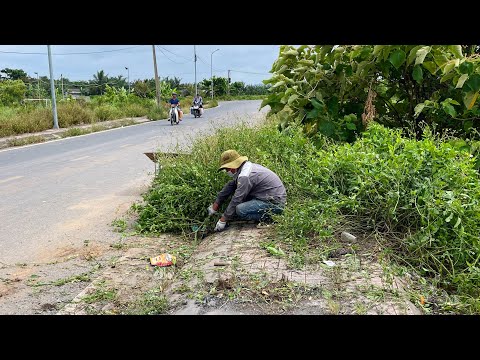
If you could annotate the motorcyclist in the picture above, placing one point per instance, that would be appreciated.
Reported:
(174, 101)
(197, 100)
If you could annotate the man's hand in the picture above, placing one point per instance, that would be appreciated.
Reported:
(211, 211)
(220, 225)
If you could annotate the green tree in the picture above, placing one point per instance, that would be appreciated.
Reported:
(12, 92)
(220, 85)
(174, 83)
(14, 74)
(237, 88)
(100, 80)
(118, 82)
(141, 88)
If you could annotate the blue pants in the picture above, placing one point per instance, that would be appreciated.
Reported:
(257, 210)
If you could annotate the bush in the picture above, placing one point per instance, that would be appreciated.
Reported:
(72, 113)
(157, 113)
(12, 92)
(107, 112)
(23, 122)
(421, 197)
(135, 110)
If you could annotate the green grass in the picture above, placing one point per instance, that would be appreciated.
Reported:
(120, 225)
(153, 302)
(23, 120)
(419, 199)
(101, 294)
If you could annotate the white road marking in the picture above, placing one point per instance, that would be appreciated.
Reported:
(81, 158)
(10, 178)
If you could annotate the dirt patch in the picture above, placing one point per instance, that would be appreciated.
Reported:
(231, 273)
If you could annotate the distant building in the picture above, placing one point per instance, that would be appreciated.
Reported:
(74, 93)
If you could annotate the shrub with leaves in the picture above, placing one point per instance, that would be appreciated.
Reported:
(187, 184)
(326, 88)
(422, 197)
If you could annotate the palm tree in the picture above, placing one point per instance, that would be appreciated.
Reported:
(100, 79)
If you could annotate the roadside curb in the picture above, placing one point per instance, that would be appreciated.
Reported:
(54, 134)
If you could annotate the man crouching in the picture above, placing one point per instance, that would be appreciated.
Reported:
(257, 191)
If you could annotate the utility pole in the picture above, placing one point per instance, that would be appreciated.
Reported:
(38, 85)
(52, 90)
(228, 83)
(157, 83)
(195, 60)
(211, 69)
(63, 94)
(128, 77)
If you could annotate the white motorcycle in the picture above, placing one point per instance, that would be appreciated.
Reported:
(174, 114)
(196, 111)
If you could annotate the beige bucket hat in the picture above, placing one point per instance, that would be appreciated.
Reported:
(231, 159)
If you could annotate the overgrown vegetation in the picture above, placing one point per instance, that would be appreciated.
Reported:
(337, 90)
(420, 198)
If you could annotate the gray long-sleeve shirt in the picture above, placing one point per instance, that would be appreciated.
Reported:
(252, 181)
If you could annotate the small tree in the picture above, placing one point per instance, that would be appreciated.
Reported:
(13, 74)
(12, 92)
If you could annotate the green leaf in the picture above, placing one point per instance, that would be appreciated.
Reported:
(418, 109)
(466, 67)
(274, 251)
(449, 109)
(413, 54)
(449, 218)
(473, 83)
(351, 126)
(292, 99)
(447, 77)
(469, 99)
(461, 80)
(430, 66)
(377, 49)
(457, 223)
(417, 73)
(317, 104)
(332, 106)
(421, 54)
(348, 70)
(280, 83)
(456, 50)
(326, 127)
(448, 67)
(440, 59)
(313, 114)
(397, 58)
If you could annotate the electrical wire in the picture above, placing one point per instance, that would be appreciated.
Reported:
(167, 56)
(76, 53)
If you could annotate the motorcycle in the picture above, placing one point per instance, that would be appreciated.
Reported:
(174, 115)
(196, 111)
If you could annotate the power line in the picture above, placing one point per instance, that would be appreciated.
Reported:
(249, 72)
(171, 52)
(159, 48)
(77, 53)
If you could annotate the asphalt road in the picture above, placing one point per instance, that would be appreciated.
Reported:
(65, 193)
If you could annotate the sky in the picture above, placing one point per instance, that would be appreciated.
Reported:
(248, 63)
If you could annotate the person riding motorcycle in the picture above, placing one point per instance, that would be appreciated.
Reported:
(197, 100)
(174, 101)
